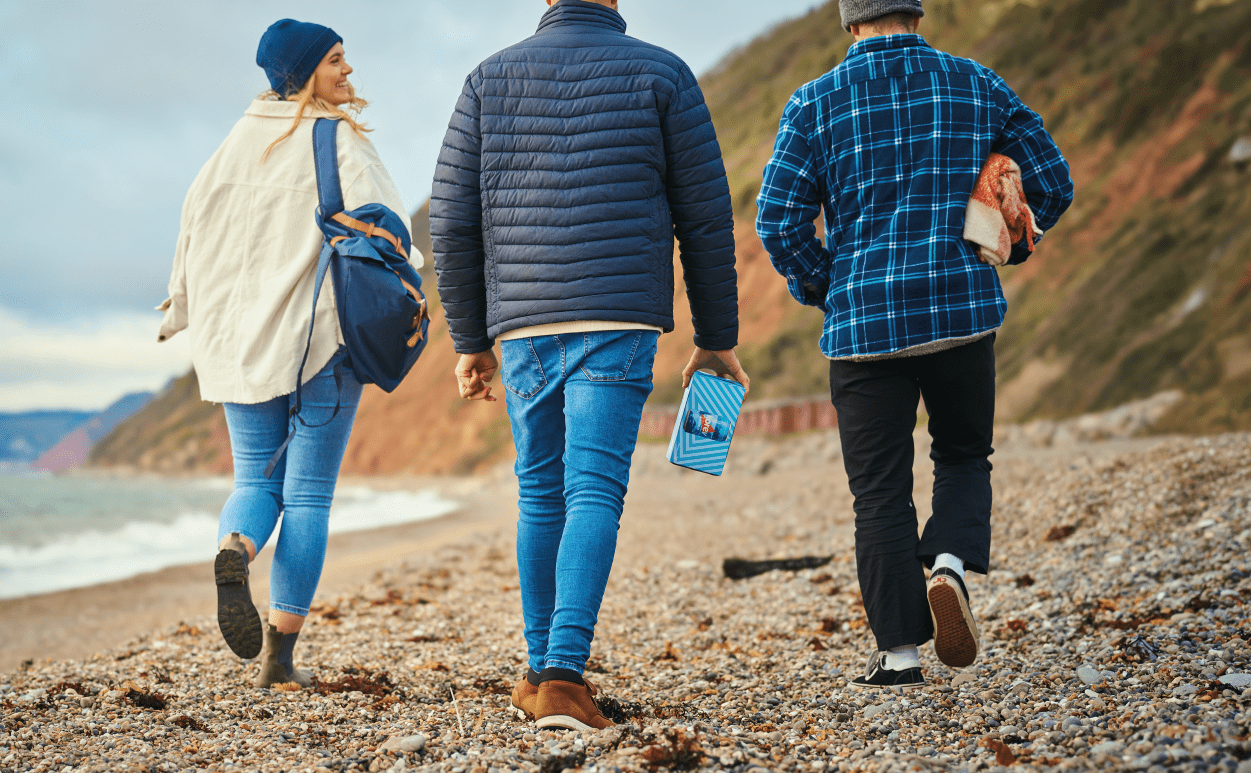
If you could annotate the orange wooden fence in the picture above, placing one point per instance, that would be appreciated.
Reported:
(771, 417)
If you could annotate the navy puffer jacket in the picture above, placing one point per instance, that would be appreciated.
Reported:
(572, 160)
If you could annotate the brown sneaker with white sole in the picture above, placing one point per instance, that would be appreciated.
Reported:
(568, 705)
(524, 696)
(955, 630)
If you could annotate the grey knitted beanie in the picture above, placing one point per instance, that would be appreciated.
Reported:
(860, 11)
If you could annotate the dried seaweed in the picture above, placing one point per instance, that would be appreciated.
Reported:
(619, 711)
(61, 687)
(145, 700)
(675, 750)
(496, 686)
(559, 762)
(1003, 755)
(669, 654)
(357, 680)
(1060, 533)
(190, 723)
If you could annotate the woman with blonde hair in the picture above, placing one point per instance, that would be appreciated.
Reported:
(243, 285)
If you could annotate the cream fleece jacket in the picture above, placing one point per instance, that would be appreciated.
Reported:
(246, 258)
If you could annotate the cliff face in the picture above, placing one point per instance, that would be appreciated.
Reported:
(1144, 286)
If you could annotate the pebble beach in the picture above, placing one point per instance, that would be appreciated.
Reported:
(1115, 632)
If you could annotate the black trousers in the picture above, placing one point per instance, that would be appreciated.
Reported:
(877, 413)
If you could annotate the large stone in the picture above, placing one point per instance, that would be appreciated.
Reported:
(1182, 690)
(1107, 747)
(1240, 153)
(872, 711)
(1241, 681)
(1089, 674)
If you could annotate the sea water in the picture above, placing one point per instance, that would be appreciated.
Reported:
(69, 532)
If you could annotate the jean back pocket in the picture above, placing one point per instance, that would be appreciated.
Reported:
(523, 371)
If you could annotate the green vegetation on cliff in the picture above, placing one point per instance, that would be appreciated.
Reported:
(1145, 285)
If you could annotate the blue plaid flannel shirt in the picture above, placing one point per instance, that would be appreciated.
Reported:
(891, 143)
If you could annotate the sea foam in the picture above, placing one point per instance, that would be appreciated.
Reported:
(89, 557)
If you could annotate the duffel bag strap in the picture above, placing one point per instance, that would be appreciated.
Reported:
(323, 263)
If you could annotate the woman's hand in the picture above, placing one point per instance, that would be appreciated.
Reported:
(724, 363)
(474, 372)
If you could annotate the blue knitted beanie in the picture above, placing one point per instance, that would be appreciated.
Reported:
(290, 51)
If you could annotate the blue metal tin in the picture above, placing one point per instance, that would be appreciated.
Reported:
(705, 425)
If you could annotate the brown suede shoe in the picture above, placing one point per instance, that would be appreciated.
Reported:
(525, 696)
(568, 705)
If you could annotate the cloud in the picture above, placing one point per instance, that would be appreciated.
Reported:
(119, 103)
(86, 362)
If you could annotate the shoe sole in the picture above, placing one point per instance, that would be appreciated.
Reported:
(566, 722)
(955, 631)
(904, 687)
(237, 617)
(521, 713)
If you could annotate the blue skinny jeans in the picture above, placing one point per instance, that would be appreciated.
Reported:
(574, 402)
(302, 486)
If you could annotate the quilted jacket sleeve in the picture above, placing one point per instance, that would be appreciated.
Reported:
(703, 219)
(456, 227)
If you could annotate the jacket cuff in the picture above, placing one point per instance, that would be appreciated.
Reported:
(175, 319)
(1020, 253)
(722, 341)
(475, 347)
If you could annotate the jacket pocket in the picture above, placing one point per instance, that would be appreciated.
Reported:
(523, 372)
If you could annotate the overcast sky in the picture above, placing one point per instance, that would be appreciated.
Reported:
(118, 104)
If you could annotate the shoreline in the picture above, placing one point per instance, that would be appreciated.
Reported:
(77, 623)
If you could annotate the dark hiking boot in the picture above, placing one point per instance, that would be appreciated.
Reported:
(955, 630)
(236, 614)
(276, 663)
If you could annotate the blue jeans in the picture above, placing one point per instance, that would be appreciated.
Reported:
(575, 402)
(302, 486)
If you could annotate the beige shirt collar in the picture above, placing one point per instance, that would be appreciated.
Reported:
(273, 108)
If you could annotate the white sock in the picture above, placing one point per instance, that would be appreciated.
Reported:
(902, 658)
(950, 562)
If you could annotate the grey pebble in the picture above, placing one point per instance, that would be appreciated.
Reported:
(1183, 690)
(1241, 681)
(872, 711)
(1089, 674)
(1107, 747)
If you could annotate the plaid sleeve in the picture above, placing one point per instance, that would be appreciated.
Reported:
(1044, 172)
(789, 202)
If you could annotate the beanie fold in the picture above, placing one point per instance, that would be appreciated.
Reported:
(860, 11)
